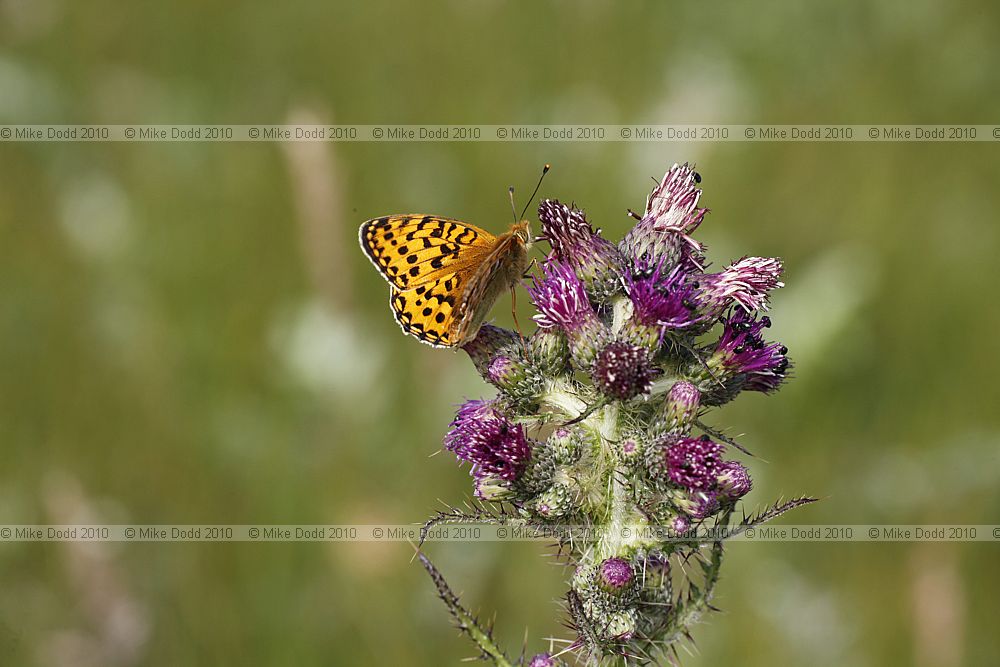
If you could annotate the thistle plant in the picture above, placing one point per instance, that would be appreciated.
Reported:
(598, 423)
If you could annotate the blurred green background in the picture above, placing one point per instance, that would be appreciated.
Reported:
(189, 333)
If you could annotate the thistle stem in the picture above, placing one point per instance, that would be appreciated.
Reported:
(467, 623)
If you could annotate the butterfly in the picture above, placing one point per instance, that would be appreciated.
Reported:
(444, 275)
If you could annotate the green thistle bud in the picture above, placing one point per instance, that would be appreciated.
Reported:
(621, 625)
(493, 489)
(490, 340)
(555, 502)
(511, 374)
(568, 444)
(549, 351)
(616, 577)
(681, 407)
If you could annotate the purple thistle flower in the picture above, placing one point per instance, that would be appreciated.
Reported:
(561, 299)
(661, 298)
(734, 480)
(595, 260)
(742, 351)
(746, 282)
(693, 462)
(562, 302)
(494, 445)
(672, 215)
(615, 575)
(623, 370)
(544, 660)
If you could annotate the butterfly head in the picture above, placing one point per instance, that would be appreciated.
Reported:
(522, 232)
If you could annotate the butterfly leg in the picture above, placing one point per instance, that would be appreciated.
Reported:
(527, 271)
(513, 312)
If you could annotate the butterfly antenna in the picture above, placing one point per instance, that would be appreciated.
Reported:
(545, 170)
(513, 209)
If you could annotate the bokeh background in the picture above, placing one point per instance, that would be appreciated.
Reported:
(189, 333)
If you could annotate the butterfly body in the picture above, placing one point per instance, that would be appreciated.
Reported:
(444, 274)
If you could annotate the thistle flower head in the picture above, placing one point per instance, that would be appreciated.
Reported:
(681, 406)
(549, 349)
(490, 340)
(500, 358)
(672, 215)
(496, 447)
(561, 299)
(545, 660)
(562, 303)
(623, 370)
(692, 463)
(746, 283)
(595, 260)
(660, 297)
(741, 354)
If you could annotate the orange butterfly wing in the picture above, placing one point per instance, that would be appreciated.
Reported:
(412, 249)
(429, 261)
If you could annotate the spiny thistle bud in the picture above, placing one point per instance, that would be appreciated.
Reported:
(556, 501)
(490, 340)
(549, 350)
(681, 407)
(619, 626)
(499, 357)
(734, 480)
(615, 576)
(622, 371)
(596, 261)
(510, 373)
(565, 444)
(629, 449)
(593, 422)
